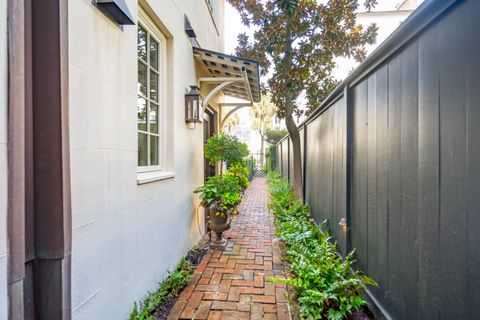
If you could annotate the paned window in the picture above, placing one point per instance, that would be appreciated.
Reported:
(150, 56)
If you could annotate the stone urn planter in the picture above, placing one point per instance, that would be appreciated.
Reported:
(220, 195)
(219, 222)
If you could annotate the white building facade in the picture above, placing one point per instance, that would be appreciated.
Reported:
(96, 201)
(133, 212)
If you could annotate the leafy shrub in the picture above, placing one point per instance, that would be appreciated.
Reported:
(326, 286)
(225, 148)
(241, 174)
(221, 193)
(169, 288)
(271, 159)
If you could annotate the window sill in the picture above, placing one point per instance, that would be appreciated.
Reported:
(147, 177)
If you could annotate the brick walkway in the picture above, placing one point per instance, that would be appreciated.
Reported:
(233, 284)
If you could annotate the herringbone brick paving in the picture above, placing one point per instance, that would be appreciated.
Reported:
(233, 284)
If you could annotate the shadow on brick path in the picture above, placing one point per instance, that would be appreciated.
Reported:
(233, 284)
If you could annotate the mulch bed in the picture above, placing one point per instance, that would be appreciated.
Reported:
(163, 311)
(362, 314)
(194, 256)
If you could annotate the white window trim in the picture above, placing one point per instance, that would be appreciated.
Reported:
(147, 177)
(154, 173)
(212, 12)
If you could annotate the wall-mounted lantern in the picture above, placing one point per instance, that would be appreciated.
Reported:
(116, 10)
(193, 105)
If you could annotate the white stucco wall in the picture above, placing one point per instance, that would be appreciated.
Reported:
(126, 236)
(3, 160)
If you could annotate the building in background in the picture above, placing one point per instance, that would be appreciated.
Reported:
(387, 16)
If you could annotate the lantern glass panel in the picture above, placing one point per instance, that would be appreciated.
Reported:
(200, 108)
(195, 108)
(189, 101)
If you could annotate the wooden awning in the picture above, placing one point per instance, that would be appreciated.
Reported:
(236, 76)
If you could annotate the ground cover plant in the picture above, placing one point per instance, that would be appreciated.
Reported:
(325, 284)
(157, 304)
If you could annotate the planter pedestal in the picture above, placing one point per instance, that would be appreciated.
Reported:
(218, 243)
(218, 224)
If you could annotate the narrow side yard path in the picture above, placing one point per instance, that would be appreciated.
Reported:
(233, 284)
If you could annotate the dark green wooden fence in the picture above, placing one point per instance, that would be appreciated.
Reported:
(396, 151)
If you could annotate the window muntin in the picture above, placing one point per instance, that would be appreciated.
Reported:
(149, 97)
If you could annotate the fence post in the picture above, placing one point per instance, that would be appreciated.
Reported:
(304, 163)
(349, 164)
(279, 160)
(288, 159)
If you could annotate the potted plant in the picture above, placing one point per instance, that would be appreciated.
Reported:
(221, 195)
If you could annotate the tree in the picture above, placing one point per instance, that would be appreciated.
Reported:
(274, 136)
(295, 42)
(225, 148)
(263, 113)
(231, 122)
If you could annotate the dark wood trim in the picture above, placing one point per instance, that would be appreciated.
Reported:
(209, 129)
(52, 268)
(28, 299)
(16, 157)
(39, 210)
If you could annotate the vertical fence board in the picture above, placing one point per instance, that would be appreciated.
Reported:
(428, 176)
(394, 184)
(473, 164)
(285, 158)
(327, 167)
(290, 161)
(323, 205)
(278, 152)
(409, 161)
(300, 131)
(359, 217)
(371, 153)
(341, 171)
(381, 105)
(336, 161)
(453, 46)
(312, 163)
